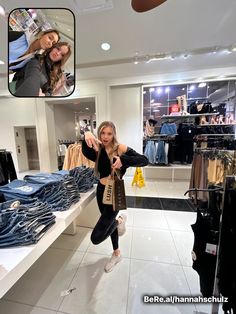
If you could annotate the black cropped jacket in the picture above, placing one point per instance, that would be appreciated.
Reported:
(129, 159)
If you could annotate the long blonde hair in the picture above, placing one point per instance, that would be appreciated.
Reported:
(115, 143)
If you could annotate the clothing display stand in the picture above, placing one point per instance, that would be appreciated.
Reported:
(14, 262)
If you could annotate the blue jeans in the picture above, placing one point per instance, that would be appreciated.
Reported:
(25, 224)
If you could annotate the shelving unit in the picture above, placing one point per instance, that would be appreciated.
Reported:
(14, 262)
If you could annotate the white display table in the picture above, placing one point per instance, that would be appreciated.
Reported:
(14, 262)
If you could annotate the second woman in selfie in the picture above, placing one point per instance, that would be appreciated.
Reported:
(41, 74)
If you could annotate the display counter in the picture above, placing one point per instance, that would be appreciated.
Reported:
(15, 261)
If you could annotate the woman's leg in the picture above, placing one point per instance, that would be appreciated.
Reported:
(107, 223)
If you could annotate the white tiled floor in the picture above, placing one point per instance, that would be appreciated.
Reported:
(156, 253)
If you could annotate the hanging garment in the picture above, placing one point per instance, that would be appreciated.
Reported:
(149, 129)
(204, 252)
(75, 158)
(7, 168)
(227, 253)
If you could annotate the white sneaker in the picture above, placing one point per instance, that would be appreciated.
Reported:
(122, 227)
(112, 262)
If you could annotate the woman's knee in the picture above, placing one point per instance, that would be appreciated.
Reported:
(95, 239)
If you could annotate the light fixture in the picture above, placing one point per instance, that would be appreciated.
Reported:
(167, 89)
(203, 84)
(151, 89)
(105, 46)
(136, 58)
(2, 11)
(86, 108)
(144, 92)
(186, 55)
(159, 90)
(192, 87)
(2, 62)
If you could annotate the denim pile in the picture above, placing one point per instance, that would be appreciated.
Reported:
(84, 178)
(57, 189)
(156, 152)
(24, 223)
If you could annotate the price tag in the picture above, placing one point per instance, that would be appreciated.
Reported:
(211, 248)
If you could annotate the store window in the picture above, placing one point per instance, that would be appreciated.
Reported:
(163, 100)
(178, 118)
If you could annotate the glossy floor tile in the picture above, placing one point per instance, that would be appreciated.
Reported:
(156, 249)
(44, 282)
(150, 278)
(97, 291)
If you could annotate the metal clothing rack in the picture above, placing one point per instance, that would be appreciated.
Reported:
(187, 116)
(162, 137)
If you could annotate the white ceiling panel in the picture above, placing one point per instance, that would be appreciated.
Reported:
(175, 26)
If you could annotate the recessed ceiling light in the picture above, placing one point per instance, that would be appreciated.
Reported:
(105, 46)
(2, 10)
(2, 62)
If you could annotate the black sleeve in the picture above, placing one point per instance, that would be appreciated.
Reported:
(133, 159)
(13, 35)
(88, 152)
(31, 83)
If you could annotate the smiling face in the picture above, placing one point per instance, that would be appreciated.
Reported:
(48, 40)
(106, 136)
(58, 53)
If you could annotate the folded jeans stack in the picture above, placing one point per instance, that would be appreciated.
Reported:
(25, 224)
(84, 178)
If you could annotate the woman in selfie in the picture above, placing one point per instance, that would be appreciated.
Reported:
(23, 46)
(109, 154)
(42, 73)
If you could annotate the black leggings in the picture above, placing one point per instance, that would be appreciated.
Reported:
(107, 224)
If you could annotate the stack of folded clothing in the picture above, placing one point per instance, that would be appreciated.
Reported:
(84, 178)
(24, 223)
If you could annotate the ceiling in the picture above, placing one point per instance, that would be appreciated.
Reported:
(177, 27)
(84, 106)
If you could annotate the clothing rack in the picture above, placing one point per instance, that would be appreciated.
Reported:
(66, 142)
(216, 135)
(163, 137)
(195, 191)
(226, 250)
(188, 116)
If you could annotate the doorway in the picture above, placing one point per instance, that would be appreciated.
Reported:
(26, 148)
(32, 148)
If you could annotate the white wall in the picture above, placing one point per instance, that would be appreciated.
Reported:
(64, 123)
(14, 112)
(126, 113)
(100, 90)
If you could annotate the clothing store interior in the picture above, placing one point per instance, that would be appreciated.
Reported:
(166, 77)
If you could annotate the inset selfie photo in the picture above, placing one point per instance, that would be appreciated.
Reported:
(41, 52)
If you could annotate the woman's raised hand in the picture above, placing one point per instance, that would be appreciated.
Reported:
(91, 140)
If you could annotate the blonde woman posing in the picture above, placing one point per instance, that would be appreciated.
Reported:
(108, 154)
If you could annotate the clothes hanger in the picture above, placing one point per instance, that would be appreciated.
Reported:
(145, 5)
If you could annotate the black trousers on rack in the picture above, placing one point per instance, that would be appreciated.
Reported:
(186, 148)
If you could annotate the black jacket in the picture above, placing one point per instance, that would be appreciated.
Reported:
(129, 159)
(32, 77)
